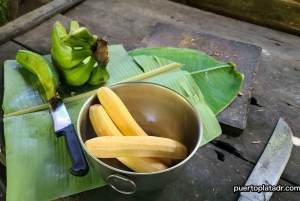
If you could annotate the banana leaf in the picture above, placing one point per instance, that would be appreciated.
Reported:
(183, 83)
(219, 82)
(38, 162)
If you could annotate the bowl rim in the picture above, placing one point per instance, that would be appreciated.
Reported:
(79, 119)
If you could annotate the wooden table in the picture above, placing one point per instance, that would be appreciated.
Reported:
(228, 160)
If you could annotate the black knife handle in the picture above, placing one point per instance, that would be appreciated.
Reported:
(80, 166)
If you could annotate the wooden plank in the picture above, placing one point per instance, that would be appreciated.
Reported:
(130, 21)
(276, 78)
(246, 57)
(38, 39)
(263, 118)
(34, 18)
(210, 175)
(117, 20)
(276, 94)
(282, 15)
(30, 5)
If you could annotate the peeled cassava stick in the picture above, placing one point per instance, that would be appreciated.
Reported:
(103, 126)
(135, 146)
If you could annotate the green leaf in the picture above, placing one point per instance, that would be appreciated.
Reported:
(21, 88)
(183, 83)
(220, 85)
(219, 82)
(193, 60)
(38, 162)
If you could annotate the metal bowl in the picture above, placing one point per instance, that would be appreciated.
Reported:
(160, 111)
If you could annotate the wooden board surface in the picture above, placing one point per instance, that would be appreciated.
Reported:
(278, 14)
(32, 19)
(210, 176)
(41, 42)
(246, 57)
(128, 22)
(261, 122)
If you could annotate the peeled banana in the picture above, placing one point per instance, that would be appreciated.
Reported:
(42, 68)
(101, 122)
(121, 116)
(135, 146)
(143, 164)
(79, 56)
(103, 126)
(119, 113)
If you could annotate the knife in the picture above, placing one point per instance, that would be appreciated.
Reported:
(271, 163)
(63, 127)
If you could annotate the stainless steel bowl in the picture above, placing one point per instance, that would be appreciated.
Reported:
(160, 111)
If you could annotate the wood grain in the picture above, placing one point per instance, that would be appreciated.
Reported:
(283, 15)
(210, 175)
(34, 18)
(128, 22)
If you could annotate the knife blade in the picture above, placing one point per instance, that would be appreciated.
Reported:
(63, 127)
(272, 162)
